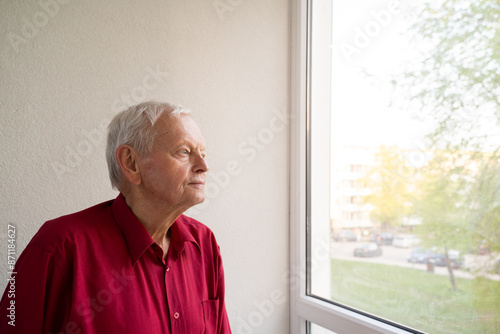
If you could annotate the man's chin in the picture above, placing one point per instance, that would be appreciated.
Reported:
(198, 200)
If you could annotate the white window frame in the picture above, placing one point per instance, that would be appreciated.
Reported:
(303, 307)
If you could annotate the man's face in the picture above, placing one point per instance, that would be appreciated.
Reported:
(173, 174)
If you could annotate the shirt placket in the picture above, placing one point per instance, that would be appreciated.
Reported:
(169, 316)
(173, 304)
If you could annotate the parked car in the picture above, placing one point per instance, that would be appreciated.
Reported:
(384, 238)
(439, 259)
(420, 255)
(405, 241)
(345, 235)
(368, 250)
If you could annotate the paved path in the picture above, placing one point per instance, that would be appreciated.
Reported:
(398, 257)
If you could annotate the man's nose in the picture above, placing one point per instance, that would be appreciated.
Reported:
(201, 164)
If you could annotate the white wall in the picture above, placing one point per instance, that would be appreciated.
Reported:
(67, 67)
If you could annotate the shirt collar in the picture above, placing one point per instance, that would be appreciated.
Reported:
(136, 236)
(138, 239)
(180, 233)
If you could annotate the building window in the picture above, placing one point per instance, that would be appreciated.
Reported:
(395, 167)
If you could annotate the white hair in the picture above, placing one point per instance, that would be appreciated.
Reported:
(135, 127)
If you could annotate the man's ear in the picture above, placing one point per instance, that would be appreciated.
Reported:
(126, 157)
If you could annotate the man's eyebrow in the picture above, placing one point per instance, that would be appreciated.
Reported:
(183, 142)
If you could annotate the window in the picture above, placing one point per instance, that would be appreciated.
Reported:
(315, 329)
(395, 172)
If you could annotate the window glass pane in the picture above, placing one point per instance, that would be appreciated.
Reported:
(317, 329)
(319, 151)
(414, 172)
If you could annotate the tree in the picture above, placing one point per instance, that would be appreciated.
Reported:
(456, 81)
(389, 180)
(455, 85)
(485, 199)
(444, 206)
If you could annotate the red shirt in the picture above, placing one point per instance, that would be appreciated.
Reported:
(99, 271)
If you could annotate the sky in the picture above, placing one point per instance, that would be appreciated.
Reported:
(368, 37)
(370, 45)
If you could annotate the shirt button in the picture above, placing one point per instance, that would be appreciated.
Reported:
(168, 268)
(176, 315)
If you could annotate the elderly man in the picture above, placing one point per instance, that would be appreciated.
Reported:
(135, 264)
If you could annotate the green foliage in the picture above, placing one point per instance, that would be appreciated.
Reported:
(455, 85)
(443, 201)
(485, 199)
(390, 182)
(456, 82)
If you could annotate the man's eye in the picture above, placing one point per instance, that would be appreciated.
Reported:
(184, 152)
(203, 155)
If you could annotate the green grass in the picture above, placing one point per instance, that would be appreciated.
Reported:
(418, 299)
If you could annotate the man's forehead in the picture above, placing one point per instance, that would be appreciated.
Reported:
(173, 122)
(181, 126)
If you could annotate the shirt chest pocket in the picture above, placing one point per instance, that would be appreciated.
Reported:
(211, 314)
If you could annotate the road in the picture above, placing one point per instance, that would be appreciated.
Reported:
(398, 257)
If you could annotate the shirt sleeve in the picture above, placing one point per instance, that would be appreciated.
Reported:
(223, 321)
(25, 306)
